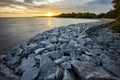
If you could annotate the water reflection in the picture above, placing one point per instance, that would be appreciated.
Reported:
(50, 23)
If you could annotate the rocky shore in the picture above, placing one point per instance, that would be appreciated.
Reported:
(87, 51)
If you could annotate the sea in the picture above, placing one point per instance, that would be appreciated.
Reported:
(14, 31)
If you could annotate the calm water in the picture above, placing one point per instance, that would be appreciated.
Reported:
(16, 30)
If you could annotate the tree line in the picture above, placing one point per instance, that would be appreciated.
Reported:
(88, 15)
(113, 14)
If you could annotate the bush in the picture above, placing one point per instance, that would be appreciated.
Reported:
(117, 24)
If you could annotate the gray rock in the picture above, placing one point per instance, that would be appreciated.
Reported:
(18, 51)
(68, 75)
(80, 41)
(64, 46)
(2, 57)
(72, 43)
(97, 51)
(47, 66)
(39, 50)
(14, 62)
(110, 65)
(53, 39)
(89, 59)
(66, 65)
(62, 40)
(44, 43)
(54, 54)
(61, 60)
(27, 63)
(8, 57)
(30, 74)
(100, 74)
(50, 47)
(38, 56)
(59, 73)
(7, 74)
(50, 77)
(82, 68)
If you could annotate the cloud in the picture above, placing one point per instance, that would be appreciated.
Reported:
(99, 6)
(40, 6)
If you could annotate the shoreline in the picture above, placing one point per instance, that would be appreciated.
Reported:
(77, 51)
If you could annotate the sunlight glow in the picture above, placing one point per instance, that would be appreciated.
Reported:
(50, 14)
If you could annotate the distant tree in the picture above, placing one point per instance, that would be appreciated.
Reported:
(78, 15)
(111, 14)
(101, 15)
(116, 5)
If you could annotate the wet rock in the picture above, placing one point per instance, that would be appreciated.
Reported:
(30, 74)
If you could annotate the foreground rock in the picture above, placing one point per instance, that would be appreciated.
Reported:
(88, 51)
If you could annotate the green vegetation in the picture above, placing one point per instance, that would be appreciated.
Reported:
(114, 14)
(78, 15)
(116, 5)
(111, 14)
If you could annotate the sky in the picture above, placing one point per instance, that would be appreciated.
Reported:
(20, 8)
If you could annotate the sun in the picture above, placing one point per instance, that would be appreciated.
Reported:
(49, 14)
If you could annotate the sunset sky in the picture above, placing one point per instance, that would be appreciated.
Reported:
(21, 8)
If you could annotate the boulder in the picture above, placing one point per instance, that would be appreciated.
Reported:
(110, 65)
(54, 54)
(14, 62)
(82, 69)
(100, 74)
(30, 74)
(61, 60)
(50, 77)
(39, 50)
(50, 47)
(47, 66)
(97, 51)
(7, 74)
(59, 73)
(27, 63)
(2, 57)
